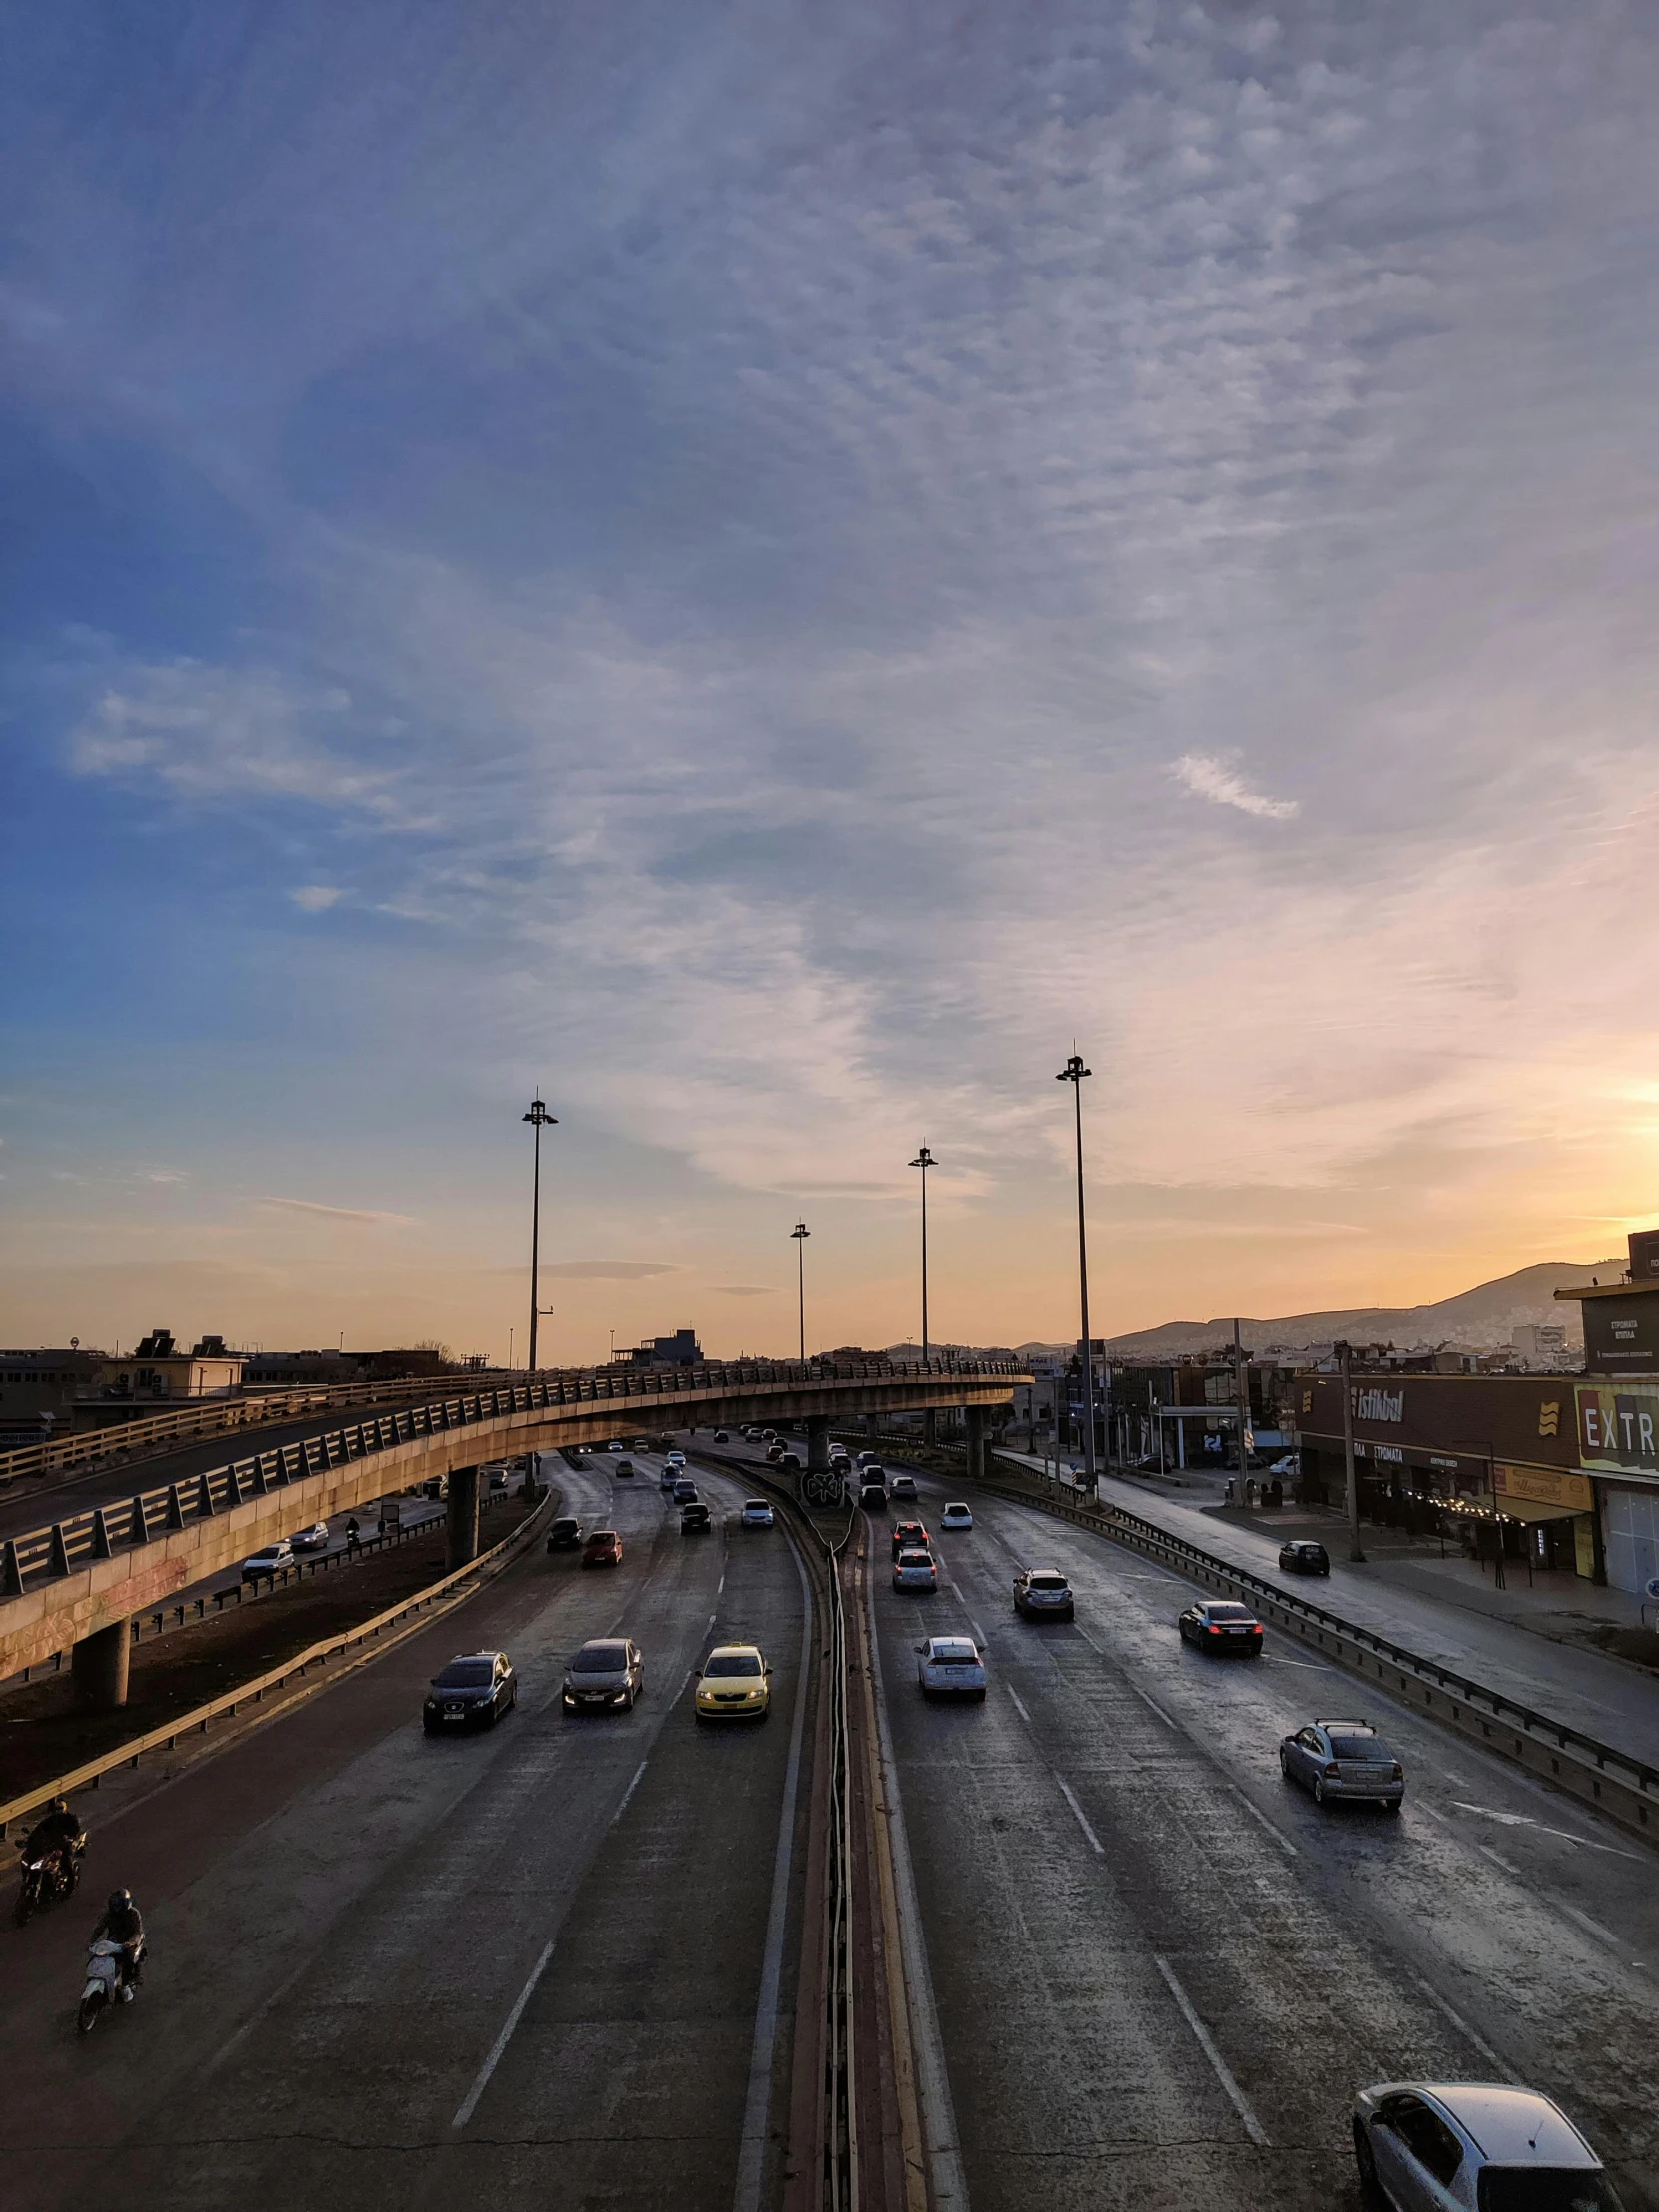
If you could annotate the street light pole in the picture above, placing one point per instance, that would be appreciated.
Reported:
(1344, 1359)
(925, 1160)
(539, 1119)
(1074, 1073)
(800, 1233)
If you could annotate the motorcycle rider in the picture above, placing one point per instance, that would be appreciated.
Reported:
(60, 1834)
(122, 1923)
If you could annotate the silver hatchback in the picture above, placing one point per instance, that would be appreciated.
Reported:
(1337, 1760)
(606, 1675)
(1424, 2146)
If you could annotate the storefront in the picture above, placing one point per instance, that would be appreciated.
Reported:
(1618, 1445)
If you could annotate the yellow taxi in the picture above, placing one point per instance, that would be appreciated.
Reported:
(735, 1684)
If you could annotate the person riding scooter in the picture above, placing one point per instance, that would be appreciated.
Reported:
(122, 1923)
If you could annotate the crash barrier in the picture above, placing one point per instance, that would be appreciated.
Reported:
(194, 1722)
(1625, 1786)
(556, 1386)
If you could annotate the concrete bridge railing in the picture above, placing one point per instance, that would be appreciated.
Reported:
(76, 1581)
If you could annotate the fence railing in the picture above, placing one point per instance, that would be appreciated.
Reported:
(59, 1547)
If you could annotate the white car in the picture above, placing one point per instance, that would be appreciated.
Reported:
(757, 1513)
(315, 1538)
(669, 1477)
(613, 1445)
(675, 1458)
(950, 1666)
(903, 1485)
(1478, 2143)
(269, 1561)
(914, 1570)
(956, 1515)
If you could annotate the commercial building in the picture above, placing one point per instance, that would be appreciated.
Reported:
(681, 1350)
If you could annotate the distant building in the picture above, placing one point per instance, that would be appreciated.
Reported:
(1541, 1344)
(681, 1350)
(157, 1370)
(276, 1371)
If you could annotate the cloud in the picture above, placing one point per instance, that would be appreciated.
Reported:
(609, 1271)
(1211, 775)
(368, 1215)
(745, 1289)
(314, 898)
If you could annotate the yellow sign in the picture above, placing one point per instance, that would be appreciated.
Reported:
(1550, 1418)
(1546, 1487)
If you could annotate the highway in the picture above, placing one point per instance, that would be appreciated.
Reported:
(388, 1970)
(1160, 1973)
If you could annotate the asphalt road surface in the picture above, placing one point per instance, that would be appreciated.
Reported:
(1161, 1973)
(522, 1968)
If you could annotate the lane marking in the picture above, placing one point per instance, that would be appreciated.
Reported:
(253, 2021)
(1498, 1859)
(628, 1793)
(1525, 1820)
(1235, 2096)
(1309, 1666)
(1156, 1707)
(1070, 1795)
(470, 2106)
(1256, 1814)
(980, 1634)
(1463, 2028)
(1605, 1935)
(1020, 1703)
(751, 2145)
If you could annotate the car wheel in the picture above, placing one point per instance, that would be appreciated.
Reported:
(1319, 1790)
(513, 1703)
(1391, 1807)
(1285, 1764)
(980, 1697)
(1371, 2189)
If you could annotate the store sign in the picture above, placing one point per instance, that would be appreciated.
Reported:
(1618, 1429)
(1544, 1486)
(1390, 1453)
(1379, 1404)
(1621, 1335)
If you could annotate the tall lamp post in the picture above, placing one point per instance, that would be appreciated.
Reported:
(539, 1119)
(1074, 1073)
(800, 1233)
(925, 1160)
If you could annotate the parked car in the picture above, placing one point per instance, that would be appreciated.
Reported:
(694, 1521)
(757, 1513)
(956, 1515)
(1342, 1759)
(315, 1538)
(473, 1691)
(950, 1666)
(1043, 1593)
(607, 1672)
(903, 1485)
(601, 1549)
(564, 1535)
(1302, 1557)
(735, 1685)
(269, 1562)
(910, 1535)
(914, 1570)
(1503, 2149)
(1218, 1624)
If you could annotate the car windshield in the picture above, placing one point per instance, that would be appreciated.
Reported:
(733, 1662)
(564, 1527)
(599, 1659)
(1546, 2189)
(955, 1508)
(467, 1673)
(755, 1505)
(1227, 1613)
(1360, 1746)
(1048, 1581)
(915, 1559)
(953, 1648)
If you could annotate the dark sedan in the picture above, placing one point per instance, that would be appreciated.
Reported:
(1300, 1557)
(1218, 1626)
(565, 1535)
(695, 1520)
(473, 1691)
(910, 1535)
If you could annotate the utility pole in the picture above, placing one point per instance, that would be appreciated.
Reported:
(800, 1233)
(925, 1160)
(539, 1119)
(1074, 1073)
(1344, 1358)
(1241, 1404)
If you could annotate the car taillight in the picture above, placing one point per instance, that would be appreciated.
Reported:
(1329, 1770)
(1400, 1772)
(1212, 1629)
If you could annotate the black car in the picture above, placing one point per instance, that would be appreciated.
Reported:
(565, 1535)
(694, 1521)
(1303, 1558)
(473, 1691)
(1218, 1624)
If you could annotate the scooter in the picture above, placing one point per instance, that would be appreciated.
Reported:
(105, 1985)
(45, 1879)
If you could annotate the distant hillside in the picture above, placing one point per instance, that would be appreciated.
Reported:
(1484, 1316)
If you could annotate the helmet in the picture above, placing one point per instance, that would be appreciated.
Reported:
(119, 1900)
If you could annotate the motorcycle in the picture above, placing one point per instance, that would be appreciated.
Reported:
(45, 1879)
(106, 1985)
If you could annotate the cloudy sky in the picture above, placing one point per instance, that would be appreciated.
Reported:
(765, 569)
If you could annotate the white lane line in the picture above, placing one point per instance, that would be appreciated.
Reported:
(628, 1793)
(1239, 2102)
(751, 2145)
(1070, 1795)
(1256, 1814)
(979, 1636)
(938, 2114)
(1604, 1935)
(1525, 1820)
(1309, 1666)
(1020, 1703)
(1156, 1707)
(253, 2021)
(502, 2040)
(1463, 2028)
(1498, 1859)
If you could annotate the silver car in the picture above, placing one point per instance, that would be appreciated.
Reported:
(1043, 1593)
(1477, 2146)
(1342, 1759)
(607, 1674)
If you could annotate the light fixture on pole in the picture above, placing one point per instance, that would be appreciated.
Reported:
(1074, 1073)
(800, 1233)
(925, 1160)
(539, 1119)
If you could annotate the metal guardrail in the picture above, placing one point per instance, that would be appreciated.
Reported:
(55, 1550)
(194, 1722)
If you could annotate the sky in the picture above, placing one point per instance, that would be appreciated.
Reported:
(765, 572)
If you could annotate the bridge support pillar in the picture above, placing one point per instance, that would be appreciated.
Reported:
(976, 1418)
(817, 1444)
(463, 1518)
(99, 1664)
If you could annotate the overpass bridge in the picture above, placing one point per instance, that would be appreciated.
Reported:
(74, 1583)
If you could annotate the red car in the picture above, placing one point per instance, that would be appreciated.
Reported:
(601, 1549)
